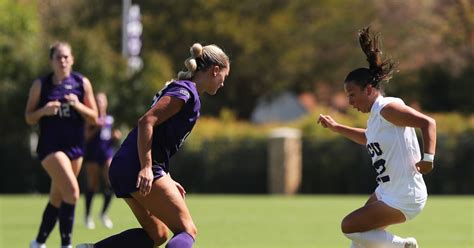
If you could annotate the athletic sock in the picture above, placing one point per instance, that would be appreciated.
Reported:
(136, 237)
(107, 200)
(181, 240)
(376, 237)
(50, 216)
(355, 245)
(66, 222)
(88, 197)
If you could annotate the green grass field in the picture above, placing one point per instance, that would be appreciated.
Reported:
(226, 221)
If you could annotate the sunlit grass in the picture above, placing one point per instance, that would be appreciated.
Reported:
(254, 221)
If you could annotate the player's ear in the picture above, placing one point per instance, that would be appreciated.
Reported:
(369, 89)
(215, 70)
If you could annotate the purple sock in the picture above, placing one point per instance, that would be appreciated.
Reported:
(66, 222)
(50, 216)
(181, 240)
(88, 197)
(136, 237)
(107, 199)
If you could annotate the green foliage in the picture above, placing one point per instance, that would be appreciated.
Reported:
(274, 46)
(447, 92)
(218, 152)
(19, 34)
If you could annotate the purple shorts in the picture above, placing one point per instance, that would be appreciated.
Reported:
(123, 171)
(73, 152)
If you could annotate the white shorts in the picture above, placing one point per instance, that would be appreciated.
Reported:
(410, 210)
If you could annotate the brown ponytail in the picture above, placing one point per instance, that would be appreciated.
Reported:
(379, 70)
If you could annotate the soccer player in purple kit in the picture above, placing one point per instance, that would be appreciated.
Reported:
(100, 140)
(139, 171)
(60, 103)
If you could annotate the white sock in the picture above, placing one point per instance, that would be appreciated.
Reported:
(376, 237)
(356, 245)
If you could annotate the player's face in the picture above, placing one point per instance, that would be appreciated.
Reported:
(62, 60)
(358, 96)
(219, 76)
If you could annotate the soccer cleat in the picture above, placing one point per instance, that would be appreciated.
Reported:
(85, 246)
(66, 246)
(411, 243)
(34, 244)
(90, 223)
(106, 221)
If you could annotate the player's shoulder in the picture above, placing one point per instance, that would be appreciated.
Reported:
(391, 99)
(44, 79)
(38, 83)
(77, 75)
(185, 87)
(385, 102)
(184, 83)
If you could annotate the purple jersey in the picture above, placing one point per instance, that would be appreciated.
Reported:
(167, 139)
(170, 135)
(65, 130)
(100, 147)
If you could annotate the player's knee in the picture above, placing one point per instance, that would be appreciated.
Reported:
(192, 230)
(158, 233)
(346, 225)
(71, 195)
(160, 237)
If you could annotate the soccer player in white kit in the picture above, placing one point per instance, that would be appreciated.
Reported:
(391, 141)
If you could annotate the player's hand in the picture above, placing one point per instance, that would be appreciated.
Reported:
(181, 189)
(424, 167)
(117, 134)
(327, 121)
(100, 122)
(51, 108)
(71, 99)
(145, 180)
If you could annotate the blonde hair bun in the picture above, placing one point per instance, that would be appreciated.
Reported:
(190, 64)
(196, 50)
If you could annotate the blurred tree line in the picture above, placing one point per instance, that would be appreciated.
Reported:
(274, 45)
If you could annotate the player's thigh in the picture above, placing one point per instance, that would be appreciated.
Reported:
(155, 228)
(372, 199)
(76, 165)
(166, 203)
(59, 168)
(374, 215)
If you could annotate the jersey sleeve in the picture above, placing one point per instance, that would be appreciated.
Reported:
(179, 92)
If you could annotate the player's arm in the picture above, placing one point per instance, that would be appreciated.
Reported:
(403, 115)
(32, 113)
(165, 108)
(88, 109)
(355, 134)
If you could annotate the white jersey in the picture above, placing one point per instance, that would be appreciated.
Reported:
(394, 151)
